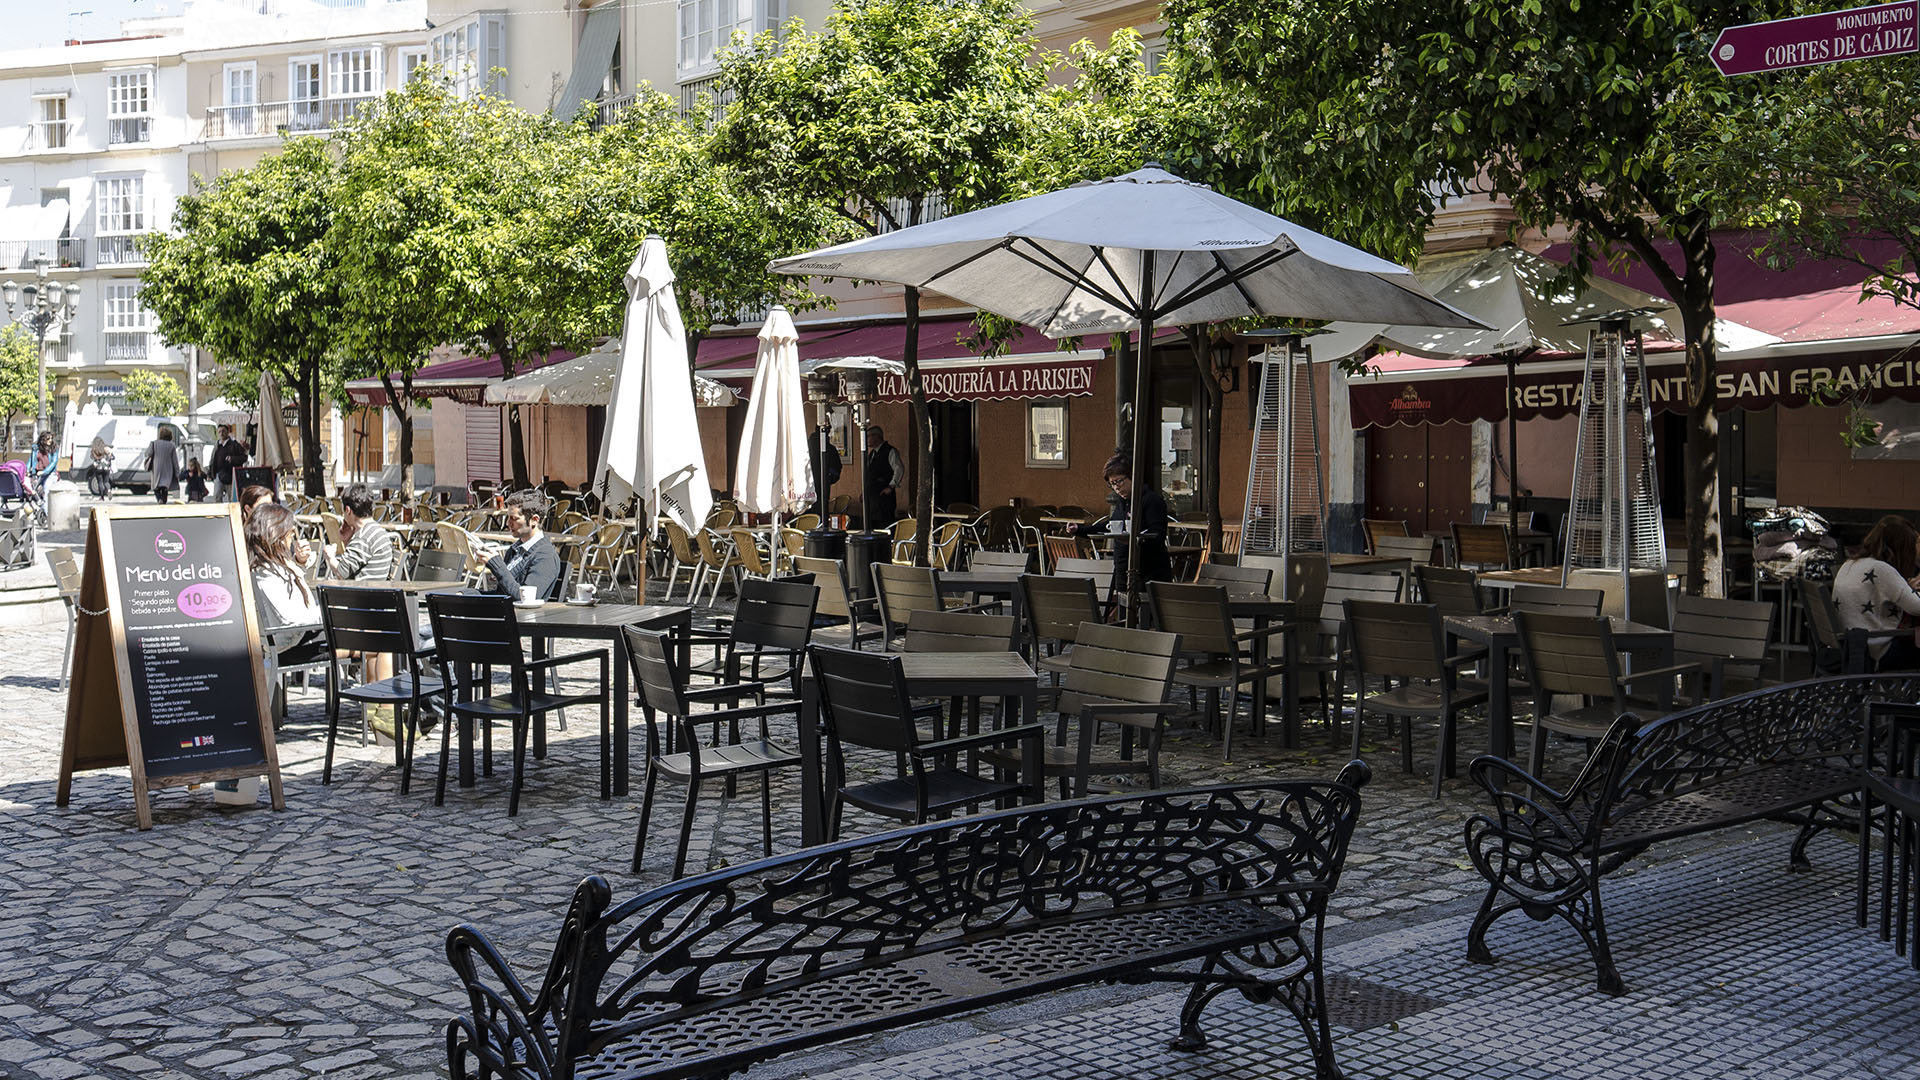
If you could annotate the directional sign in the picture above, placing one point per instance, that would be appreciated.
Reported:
(1827, 38)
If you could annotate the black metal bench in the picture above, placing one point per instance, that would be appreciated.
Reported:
(1222, 888)
(1786, 753)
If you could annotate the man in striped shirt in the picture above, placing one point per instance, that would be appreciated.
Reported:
(367, 554)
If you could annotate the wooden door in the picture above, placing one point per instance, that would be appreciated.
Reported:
(1422, 474)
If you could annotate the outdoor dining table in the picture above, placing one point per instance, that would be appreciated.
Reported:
(1500, 637)
(1005, 675)
(1262, 611)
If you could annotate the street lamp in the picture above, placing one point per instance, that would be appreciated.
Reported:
(43, 307)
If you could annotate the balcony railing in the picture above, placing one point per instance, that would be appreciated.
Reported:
(121, 251)
(66, 252)
(123, 345)
(307, 116)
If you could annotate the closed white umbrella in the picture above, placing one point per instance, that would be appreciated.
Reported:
(652, 445)
(275, 450)
(773, 476)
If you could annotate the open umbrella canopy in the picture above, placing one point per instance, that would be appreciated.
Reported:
(651, 450)
(773, 476)
(275, 450)
(1528, 305)
(1147, 246)
(587, 380)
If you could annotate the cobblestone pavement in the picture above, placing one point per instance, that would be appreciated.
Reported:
(232, 942)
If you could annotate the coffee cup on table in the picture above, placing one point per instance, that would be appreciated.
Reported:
(527, 594)
(583, 593)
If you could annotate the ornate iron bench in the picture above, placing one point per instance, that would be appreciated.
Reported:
(1222, 888)
(1785, 753)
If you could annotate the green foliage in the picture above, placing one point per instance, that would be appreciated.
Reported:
(1825, 157)
(154, 393)
(19, 372)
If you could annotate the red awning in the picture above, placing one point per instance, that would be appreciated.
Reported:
(1828, 335)
(463, 379)
(1031, 368)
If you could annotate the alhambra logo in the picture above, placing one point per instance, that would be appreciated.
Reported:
(1410, 401)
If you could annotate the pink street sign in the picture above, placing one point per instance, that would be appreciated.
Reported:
(1827, 38)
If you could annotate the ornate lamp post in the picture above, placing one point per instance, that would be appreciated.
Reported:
(43, 307)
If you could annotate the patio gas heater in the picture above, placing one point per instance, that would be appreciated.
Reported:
(859, 385)
(1286, 504)
(1615, 537)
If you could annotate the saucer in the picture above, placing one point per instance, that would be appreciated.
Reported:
(571, 602)
(529, 604)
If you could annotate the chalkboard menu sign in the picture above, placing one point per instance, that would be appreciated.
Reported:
(168, 673)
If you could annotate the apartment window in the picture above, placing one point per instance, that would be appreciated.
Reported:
(120, 212)
(50, 117)
(237, 82)
(127, 323)
(411, 59)
(707, 26)
(129, 107)
(304, 94)
(469, 53)
(1154, 55)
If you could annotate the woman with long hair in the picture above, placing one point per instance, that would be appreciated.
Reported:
(100, 468)
(1873, 591)
(279, 581)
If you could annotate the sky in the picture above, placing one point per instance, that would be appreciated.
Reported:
(45, 22)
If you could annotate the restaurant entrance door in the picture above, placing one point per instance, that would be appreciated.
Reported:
(1420, 473)
(954, 453)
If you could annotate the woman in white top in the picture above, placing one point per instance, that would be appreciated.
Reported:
(1874, 591)
(279, 581)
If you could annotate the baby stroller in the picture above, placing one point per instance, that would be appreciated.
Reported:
(19, 516)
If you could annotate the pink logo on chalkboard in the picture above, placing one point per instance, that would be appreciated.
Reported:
(204, 601)
(170, 545)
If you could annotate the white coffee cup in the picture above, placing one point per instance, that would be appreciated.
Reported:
(583, 593)
(527, 594)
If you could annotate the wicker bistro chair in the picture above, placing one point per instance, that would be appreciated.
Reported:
(480, 631)
(1405, 643)
(865, 702)
(1219, 655)
(681, 557)
(1119, 676)
(836, 602)
(602, 556)
(991, 531)
(377, 621)
(771, 626)
(754, 562)
(668, 702)
(1574, 656)
(902, 533)
(944, 549)
(716, 559)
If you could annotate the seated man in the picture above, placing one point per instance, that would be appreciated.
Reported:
(531, 559)
(367, 551)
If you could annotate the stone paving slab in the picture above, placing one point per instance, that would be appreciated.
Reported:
(234, 942)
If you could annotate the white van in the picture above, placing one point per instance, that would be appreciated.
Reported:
(130, 436)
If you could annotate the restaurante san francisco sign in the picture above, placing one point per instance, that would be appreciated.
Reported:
(1824, 38)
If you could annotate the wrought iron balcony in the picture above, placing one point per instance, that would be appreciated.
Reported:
(66, 252)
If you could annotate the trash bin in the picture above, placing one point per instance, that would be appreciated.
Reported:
(863, 550)
(826, 544)
(63, 505)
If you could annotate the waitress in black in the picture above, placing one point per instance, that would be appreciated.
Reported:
(1155, 565)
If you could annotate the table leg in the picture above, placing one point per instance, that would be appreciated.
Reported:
(542, 648)
(621, 693)
(1030, 759)
(465, 693)
(1499, 705)
(812, 810)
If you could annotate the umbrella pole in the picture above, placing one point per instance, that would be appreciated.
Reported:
(866, 512)
(1513, 468)
(1142, 432)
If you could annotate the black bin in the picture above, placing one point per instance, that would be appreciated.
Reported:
(826, 544)
(863, 550)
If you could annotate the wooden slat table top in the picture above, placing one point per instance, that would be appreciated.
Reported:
(602, 617)
(1484, 628)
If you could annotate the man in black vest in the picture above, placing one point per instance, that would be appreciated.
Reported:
(885, 471)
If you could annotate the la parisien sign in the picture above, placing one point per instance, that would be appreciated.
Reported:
(1826, 38)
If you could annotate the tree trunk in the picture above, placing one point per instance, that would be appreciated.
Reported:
(516, 434)
(1704, 569)
(922, 433)
(1210, 401)
(314, 478)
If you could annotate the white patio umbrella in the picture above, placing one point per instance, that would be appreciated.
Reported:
(773, 476)
(275, 450)
(652, 445)
(1135, 252)
(587, 380)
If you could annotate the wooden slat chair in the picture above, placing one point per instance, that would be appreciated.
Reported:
(1405, 644)
(1324, 649)
(1376, 528)
(1553, 600)
(864, 703)
(907, 589)
(1574, 656)
(1054, 548)
(66, 578)
(1235, 578)
(1101, 571)
(377, 622)
(1116, 676)
(771, 626)
(433, 564)
(1724, 634)
(1837, 649)
(1417, 550)
(1220, 657)
(668, 702)
(846, 627)
(1455, 592)
(1015, 561)
(1057, 606)
(1482, 547)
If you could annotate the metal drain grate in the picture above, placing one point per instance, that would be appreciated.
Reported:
(1358, 1004)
